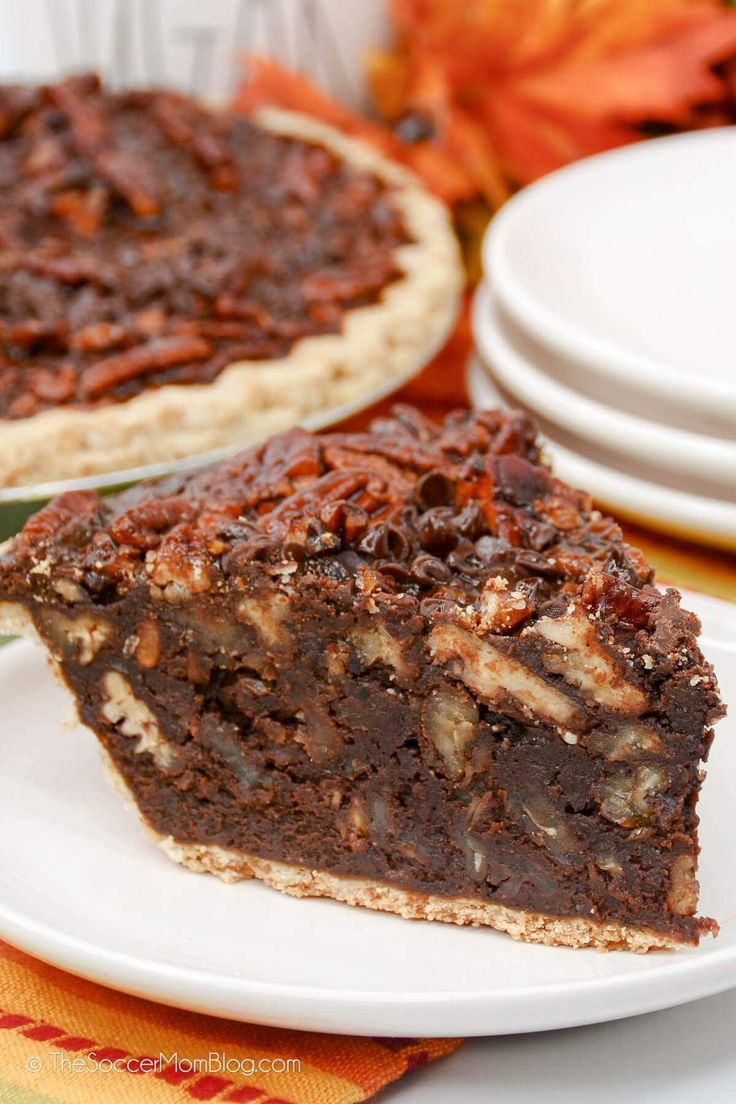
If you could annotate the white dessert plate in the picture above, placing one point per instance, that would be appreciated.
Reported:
(624, 261)
(708, 463)
(697, 518)
(611, 393)
(82, 887)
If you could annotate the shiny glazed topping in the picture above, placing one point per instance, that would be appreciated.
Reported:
(430, 511)
(146, 241)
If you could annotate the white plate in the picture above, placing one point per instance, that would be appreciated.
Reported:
(625, 261)
(705, 520)
(708, 463)
(611, 393)
(82, 887)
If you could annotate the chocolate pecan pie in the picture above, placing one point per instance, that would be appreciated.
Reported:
(407, 669)
(173, 279)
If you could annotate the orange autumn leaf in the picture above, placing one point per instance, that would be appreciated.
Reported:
(492, 94)
(515, 90)
(271, 84)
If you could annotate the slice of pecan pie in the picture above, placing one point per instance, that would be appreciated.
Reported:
(174, 279)
(407, 669)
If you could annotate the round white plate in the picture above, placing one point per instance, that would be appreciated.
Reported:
(625, 261)
(705, 520)
(611, 393)
(83, 887)
(709, 463)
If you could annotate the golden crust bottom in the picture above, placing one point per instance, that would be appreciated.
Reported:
(528, 927)
(250, 400)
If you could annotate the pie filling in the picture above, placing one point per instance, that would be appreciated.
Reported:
(409, 656)
(146, 241)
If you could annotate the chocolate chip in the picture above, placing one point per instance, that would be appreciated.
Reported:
(400, 572)
(428, 569)
(433, 489)
(386, 541)
(436, 531)
(471, 522)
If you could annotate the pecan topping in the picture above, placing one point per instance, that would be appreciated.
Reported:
(423, 505)
(164, 352)
(124, 259)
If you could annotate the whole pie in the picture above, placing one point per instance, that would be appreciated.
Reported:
(407, 669)
(174, 279)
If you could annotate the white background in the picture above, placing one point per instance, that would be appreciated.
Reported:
(193, 44)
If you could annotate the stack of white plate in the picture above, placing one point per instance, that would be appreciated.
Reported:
(608, 311)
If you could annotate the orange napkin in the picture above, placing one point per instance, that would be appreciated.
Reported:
(67, 1040)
